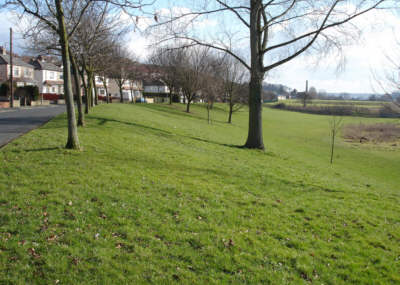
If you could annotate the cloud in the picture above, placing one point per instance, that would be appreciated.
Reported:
(379, 29)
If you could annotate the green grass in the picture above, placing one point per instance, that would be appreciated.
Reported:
(159, 196)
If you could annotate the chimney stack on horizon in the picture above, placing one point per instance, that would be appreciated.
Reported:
(3, 51)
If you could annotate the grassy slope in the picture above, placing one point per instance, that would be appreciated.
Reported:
(157, 195)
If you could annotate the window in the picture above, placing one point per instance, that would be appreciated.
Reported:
(61, 77)
(16, 71)
(102, 92)
(51, 76)
(27, 72)
(53, 89)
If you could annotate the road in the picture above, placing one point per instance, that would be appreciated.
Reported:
(16, 122)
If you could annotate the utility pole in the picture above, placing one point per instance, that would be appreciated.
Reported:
(11, 71)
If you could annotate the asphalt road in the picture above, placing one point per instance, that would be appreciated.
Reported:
(16, 122)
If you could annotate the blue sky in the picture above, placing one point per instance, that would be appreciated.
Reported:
(363, 58)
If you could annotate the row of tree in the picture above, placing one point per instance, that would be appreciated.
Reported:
(201, 73)
(262, 36)
(86, 34)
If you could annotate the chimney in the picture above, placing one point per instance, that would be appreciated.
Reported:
(3, 51)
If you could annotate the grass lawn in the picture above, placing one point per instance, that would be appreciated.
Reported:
(159, 196)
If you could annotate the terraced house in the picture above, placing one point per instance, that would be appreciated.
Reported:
(23, 73)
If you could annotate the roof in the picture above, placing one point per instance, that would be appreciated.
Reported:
(44, 65)
(53, 82)
(5, 59)
(154, 82)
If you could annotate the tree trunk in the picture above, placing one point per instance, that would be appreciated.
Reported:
(332, 144)
(121, 99)
(106, 88)
(81, 118)
(96, 94)
(92, 90)
(85, 90)
(188, 106)
(230, 112)
(170, 96)
(255, 137)
(208, 114)
(89, 92)
(73, 140)
(132, 94)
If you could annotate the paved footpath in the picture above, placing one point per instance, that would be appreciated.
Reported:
(16, 122)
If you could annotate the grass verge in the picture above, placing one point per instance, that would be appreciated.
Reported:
(160, 196)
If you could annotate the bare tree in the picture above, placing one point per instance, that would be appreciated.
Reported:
(133, 74)
(213, 84)
(119, 68)
(94, 40)
(168, 60)
(75, 72)
(190, 72)
(235, 83)
(52, 15)
(335, 126)
(278, 32)
(388, 81)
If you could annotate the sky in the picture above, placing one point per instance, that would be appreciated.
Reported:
(365, 59)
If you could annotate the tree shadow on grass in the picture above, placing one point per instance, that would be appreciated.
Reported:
(103, 121)
(42, 149)
(213, 142)
(171, 111)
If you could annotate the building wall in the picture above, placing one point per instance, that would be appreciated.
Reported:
(39, 79)
(43, 75)
(155, 89)
(19, 72)
(52, 75)
(3, 73)
(22, 71)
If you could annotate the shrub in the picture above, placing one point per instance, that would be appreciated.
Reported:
(387, 110)
(5, 89)
(381, 132)
(31, 92)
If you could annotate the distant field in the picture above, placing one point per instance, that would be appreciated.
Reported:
(339, 102)
(160, 196)
(340, 107)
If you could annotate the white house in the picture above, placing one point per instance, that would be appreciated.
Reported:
(99, 81)
(131, 89)
(283, 97)
(49, 77)
(155, 91)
